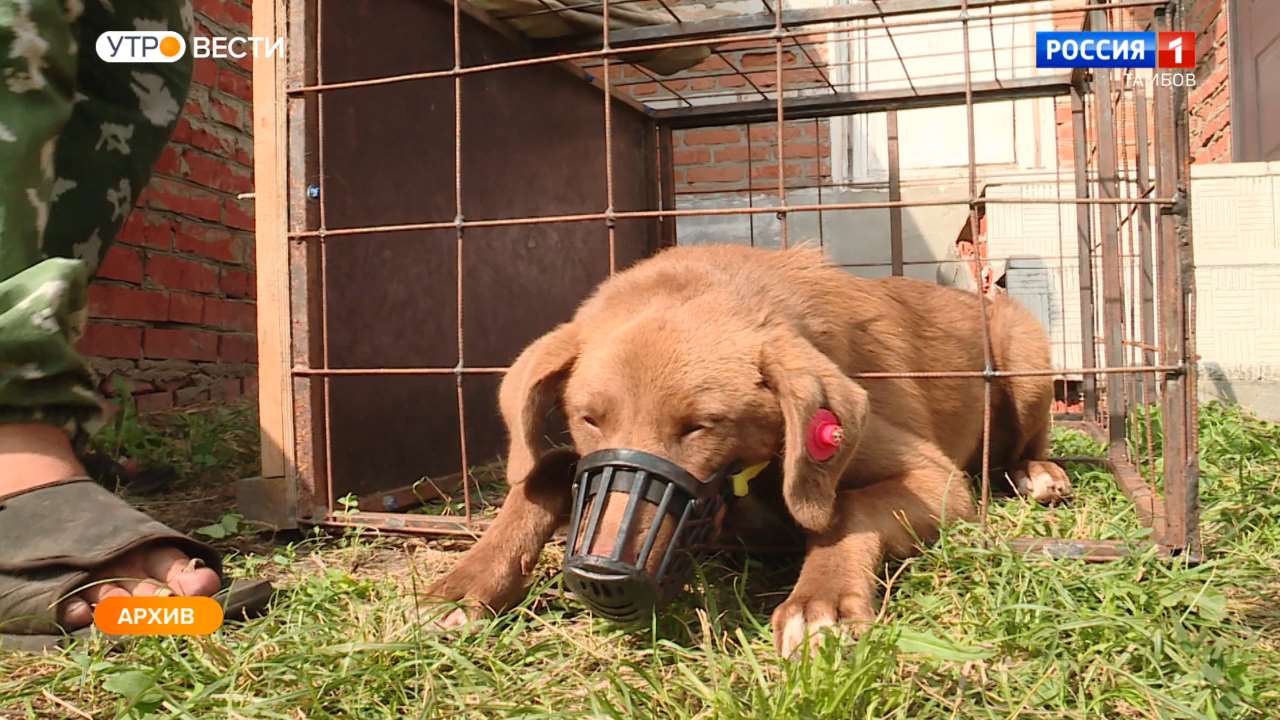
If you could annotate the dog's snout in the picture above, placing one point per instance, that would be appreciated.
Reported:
(605, 568)
(635, 518)
(622, 596)
(612, 539)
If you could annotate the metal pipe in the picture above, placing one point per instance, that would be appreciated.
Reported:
(1084, 245)
(696, 212)
(304, 372)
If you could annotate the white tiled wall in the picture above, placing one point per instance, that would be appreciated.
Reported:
(1236, 225)
(1236, 231)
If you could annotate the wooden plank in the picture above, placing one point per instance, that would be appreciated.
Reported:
(306, 323)
(430, 525)
(1148, 505)
(271, 498)
(667, 177)
(1146, 271)
(271, 248)
(1181, 468)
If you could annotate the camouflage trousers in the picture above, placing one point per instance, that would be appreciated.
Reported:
(78, 138)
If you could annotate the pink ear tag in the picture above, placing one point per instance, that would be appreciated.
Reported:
(824, 436)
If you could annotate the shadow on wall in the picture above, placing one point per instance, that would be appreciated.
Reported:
(1215, 376)
(1256, 388)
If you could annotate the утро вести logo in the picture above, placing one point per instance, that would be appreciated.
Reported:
(165, 46)
(161, 46)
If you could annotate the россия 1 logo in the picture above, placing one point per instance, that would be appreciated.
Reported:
(1084, 49)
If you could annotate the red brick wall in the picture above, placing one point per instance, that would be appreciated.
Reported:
(172, 307)
(733, 158)
(727, 158)
(739, 157)
(1210, 102)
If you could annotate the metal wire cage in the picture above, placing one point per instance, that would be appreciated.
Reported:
(434, 190)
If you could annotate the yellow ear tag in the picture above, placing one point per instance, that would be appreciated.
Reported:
(741, 481)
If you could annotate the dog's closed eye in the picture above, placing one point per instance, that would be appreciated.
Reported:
(692, 428)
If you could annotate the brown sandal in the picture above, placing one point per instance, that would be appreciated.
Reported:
(54, 537)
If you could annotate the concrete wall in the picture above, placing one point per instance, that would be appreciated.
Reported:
(857, 239)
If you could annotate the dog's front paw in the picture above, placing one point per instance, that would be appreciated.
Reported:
(479, 586)
(800, 622)
(1045, 482)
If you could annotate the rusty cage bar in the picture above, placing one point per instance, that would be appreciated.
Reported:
(381, 217)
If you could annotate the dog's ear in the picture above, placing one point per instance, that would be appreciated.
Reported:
(806, 381)
(530, 390)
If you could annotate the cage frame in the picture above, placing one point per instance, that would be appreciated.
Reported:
(293, 373)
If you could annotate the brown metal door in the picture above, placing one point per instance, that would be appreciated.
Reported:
(1257, 85)
(532, 145)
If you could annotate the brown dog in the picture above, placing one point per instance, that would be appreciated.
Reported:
(709, 355)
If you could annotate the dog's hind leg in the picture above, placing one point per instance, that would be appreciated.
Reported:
(1030, 471)
(891, 517)
(1034, 476)
(1020, 343)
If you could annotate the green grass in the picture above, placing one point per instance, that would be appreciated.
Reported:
(202, 443)
(969, 630)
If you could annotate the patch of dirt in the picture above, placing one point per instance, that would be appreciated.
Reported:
(188, 506)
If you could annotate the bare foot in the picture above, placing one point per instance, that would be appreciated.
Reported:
(151, 570)
(35, 455)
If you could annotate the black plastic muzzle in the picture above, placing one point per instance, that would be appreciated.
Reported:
(626, 579)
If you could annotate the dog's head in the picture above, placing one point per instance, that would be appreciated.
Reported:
(704, 388)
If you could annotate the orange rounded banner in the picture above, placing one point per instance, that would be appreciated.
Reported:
(173, 615)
